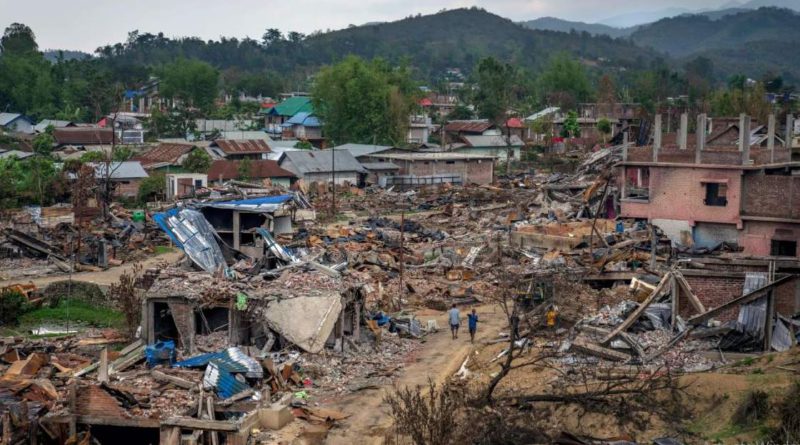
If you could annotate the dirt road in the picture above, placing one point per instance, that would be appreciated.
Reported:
(439, 358)
(103, 278)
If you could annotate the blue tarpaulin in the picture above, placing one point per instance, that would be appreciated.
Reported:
(264, 204)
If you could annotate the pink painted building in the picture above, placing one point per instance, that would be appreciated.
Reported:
(702, 195)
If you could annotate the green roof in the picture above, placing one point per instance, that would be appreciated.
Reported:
(292, 106)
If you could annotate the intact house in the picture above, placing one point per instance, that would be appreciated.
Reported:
(500, 147)
(16, 122)
(744, 195)
(209, 127)
(276, 116)
(167, 156)
(181, 185)
(456, 130)
(324, 166)
(73, 142)
(419, 129)
(43, 124)
(128, 126)
(303, 126)
(421, 169)
(126, 177)
(237, 150)
(260, 170)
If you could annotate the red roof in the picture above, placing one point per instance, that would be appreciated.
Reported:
(251, 146)
(474, 127)
(259, 169)
(167, 153)
(83, 136)
(268, 104)
(426, 102)
(515, 122)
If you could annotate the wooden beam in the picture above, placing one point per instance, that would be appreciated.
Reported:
(169, 435)
(177, 381)
(693, 300)
(200, 424)
(744, 299)
(640, 310)
(675, 296)
(102, 371)
(599, 351)
(769, 322)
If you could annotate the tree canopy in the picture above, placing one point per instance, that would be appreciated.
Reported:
(363, 101)
(191, 81)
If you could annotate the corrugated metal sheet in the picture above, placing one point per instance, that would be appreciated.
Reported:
(231, 360)
(251, 146)
(192, 232)
(222, 381)
(316, 161)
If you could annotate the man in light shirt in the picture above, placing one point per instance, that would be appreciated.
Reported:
(455, 321)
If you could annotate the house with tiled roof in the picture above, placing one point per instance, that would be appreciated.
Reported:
(239, 149)
(166, 156)
(260, 170)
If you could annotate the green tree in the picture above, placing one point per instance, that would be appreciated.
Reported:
(495, 83)
(153, 187)
(93, 156)
(243, 169)
(43, 143)
(564, 82)
(571, 127)
(604, 127)
(303, 145)
(18, 39)
(363, 102)
(460, 112)
(191, 81)
(198, 161)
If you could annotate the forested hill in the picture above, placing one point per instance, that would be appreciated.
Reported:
(556, 24)
(690, 34)
(430, 44)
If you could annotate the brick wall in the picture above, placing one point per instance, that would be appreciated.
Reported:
(473, 171)
(714, 292)
(771, 195)
(128, 189)
(183, 315)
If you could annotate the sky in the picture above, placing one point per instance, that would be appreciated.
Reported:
(86, 25)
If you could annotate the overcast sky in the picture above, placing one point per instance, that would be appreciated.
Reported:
(86, 25)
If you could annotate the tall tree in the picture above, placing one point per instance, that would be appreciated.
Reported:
(564, 82)
(18, 39)
(495, 84)
(192, 81)
(363, 102)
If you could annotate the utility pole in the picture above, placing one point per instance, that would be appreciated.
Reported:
(333, 177)
(402, 259)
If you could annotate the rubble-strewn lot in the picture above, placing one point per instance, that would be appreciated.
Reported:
(253, 328)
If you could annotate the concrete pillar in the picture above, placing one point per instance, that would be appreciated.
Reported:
(789, 131)
(771, 137)
(657, 133)
(744, 138)
(683, 137)
(624, 146)
(237, 236)
(701, 138)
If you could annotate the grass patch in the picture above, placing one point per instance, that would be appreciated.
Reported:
(745, 362)
(161, 250)
(74, 312)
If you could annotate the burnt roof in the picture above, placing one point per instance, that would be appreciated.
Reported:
(168, 153)
(259, 169)
(83, 136)
(249, 146)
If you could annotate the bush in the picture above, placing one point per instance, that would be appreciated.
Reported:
(753, 410)
(427, 417)
(12, 305)
(789, 429)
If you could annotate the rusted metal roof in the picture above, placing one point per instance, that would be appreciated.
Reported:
(83, 136)
(259, 169)
(166, 153)
(471, 126)
(250, 146)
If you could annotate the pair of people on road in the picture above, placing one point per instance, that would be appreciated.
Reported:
(455, 322)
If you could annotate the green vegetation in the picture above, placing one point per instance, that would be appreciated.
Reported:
(12, 305)
(198, 161)
(161, 250)
(73, 311)
(193, 82)
(153, 187)
(243, 169)
(364, 102)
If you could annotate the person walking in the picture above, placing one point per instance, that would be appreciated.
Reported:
(455, 321)
(472, 321)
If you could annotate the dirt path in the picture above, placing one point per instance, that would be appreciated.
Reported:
(103, 278)
(439, 358)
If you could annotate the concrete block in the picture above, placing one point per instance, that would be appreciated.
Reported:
(275, 418)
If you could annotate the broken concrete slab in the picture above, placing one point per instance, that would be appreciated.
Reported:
(306, 321)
